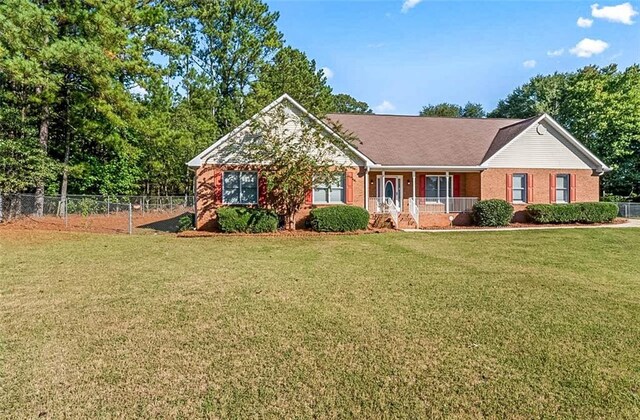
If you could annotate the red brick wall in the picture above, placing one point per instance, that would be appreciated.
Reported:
(494, 185)
(206, 204)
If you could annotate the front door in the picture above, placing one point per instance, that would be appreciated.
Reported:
(392, 189)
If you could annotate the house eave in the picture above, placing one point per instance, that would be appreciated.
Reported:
(441, 168)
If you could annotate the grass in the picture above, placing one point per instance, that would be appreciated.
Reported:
(470, 324)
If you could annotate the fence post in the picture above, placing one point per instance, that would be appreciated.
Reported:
(130, 219)
(108, 205)
(171, 204)
(628, 209)
(0, 207)
(66, 212)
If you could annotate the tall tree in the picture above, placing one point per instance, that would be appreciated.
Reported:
(473, 110)
(441, 110)
(600, 106)
(231, 42)
(347, 104)
(293, 73)
(470, 110)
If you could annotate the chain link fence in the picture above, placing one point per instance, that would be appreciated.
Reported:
(119, 214)
(629, 210)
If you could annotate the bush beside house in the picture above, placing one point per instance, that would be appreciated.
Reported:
(492, 213)
(597, 212)
(246, 220)
(339, 219)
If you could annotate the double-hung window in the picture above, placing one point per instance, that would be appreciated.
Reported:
(436, 188)
(562, 188)
(330, 194)
(519, 189)
(240, 187)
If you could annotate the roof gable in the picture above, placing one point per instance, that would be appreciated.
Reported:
(218, 153)
(540, 142)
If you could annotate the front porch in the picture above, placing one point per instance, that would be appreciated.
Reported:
(422, 199)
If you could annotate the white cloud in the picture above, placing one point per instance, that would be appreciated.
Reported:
(588, 47)
(584, 22)
(529, 64)
(621, 13)
(555, 53)
(328, 73)
(409, 4)
(385, 106)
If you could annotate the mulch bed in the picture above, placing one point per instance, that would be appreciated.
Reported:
(280, 233)
(616, 221)
(306, 232)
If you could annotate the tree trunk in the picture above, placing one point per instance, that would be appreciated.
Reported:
(65, 180)
(44, 144)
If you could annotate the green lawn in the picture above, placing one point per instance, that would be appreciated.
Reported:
(469, 324)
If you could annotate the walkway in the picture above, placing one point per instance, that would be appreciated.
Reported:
(630, 223)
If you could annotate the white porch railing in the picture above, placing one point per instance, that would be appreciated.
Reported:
(414, 210)
(384, 206)
(439, 205)
(392, 210)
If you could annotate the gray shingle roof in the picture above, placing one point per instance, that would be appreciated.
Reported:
(429, 141)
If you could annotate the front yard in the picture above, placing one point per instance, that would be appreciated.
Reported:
(518, 324)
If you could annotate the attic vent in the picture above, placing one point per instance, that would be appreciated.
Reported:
(541, 129)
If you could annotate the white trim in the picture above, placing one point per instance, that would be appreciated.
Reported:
(240, 188)
(399, 188)
(432, 168)
(594, 159)
(200, 159)
(343, 188)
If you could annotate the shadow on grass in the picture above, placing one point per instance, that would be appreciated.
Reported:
(166, 225)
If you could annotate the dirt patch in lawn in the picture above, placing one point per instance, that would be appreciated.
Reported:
(113, 223)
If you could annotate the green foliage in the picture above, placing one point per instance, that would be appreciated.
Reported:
(597, 212)
(186, 222)
(600, 106)
(339, 219)
(347, 104)
(298, 159)
(492, 212)
(246, 220)
(85, 206)
(293, 73)
(470, 110)
(23, 164)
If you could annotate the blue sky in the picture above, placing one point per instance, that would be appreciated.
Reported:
(398, 55)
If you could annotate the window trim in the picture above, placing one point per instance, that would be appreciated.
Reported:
(240, 188)
(343, 195)
(439, 198)
(566, 189)
(524, 188)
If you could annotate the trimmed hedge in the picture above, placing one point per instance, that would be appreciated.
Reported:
(339, 219)
(492, 213)
(246, 220)
(596, 212)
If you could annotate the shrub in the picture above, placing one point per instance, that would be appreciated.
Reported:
(597, 212)
(492, 213)
(339, 219)
(246, 220)
(186, 222)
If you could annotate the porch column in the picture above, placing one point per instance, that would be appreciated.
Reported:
(383, 189)
(366, 189)
(413, 184)
(447, 193)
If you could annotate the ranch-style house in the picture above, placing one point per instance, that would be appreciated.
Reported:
(417, 171)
